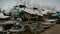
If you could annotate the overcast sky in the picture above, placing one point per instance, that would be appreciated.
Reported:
(6, 4)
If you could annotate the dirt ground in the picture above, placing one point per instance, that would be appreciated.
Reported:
(55, 29)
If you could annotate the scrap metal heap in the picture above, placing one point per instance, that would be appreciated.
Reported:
(23, 21)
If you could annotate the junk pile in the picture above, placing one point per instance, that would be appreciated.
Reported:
(21, 21)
